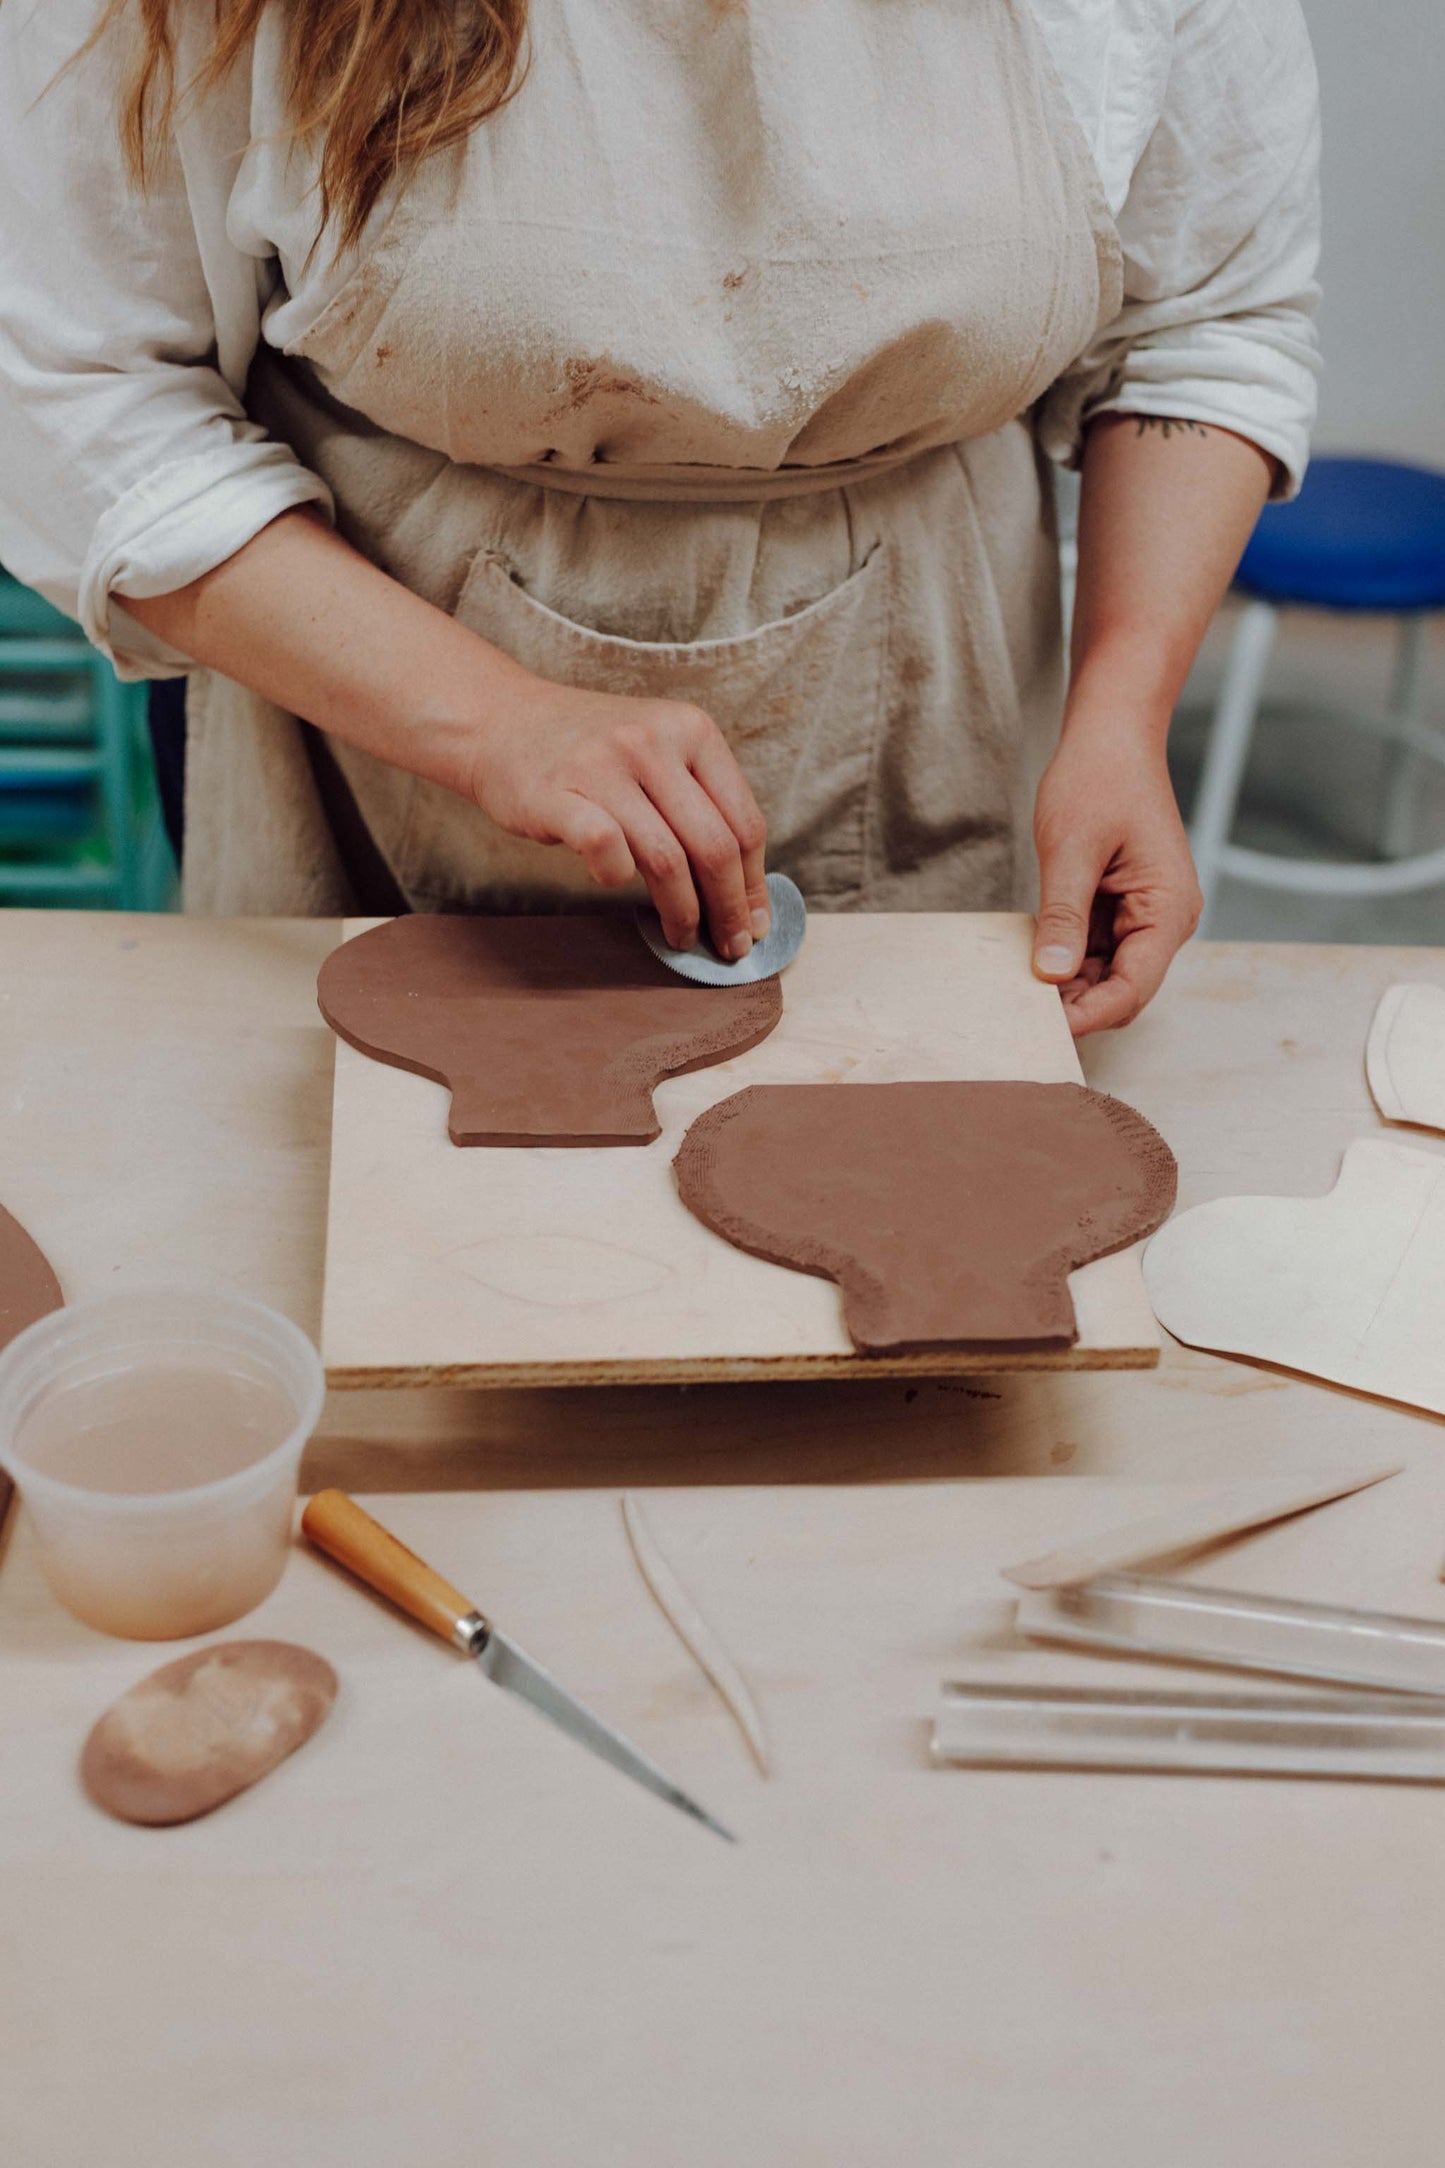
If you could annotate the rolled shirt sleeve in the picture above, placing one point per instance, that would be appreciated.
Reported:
(127, 463)
(1220, 231)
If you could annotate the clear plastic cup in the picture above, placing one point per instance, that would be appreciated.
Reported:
(117, 1416)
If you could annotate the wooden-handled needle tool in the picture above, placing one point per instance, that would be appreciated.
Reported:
(337, 1525)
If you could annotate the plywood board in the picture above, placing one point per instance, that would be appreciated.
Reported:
(493, 1267)
(444, 1933)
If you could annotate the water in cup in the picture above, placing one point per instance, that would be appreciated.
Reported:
(154, 1430)
(155, 1438)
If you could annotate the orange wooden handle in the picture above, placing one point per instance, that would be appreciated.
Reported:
(337, 1525)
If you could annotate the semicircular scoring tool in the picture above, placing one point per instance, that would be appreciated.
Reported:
(764, 960)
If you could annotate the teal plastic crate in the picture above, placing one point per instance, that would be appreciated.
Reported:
(80, 820)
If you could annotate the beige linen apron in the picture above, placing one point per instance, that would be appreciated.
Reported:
(703, 371)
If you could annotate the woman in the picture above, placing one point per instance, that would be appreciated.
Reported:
(615, 426)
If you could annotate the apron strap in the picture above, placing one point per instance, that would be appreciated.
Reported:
(376, 889)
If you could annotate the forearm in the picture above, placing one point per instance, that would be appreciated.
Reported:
(305, 620)
(634, 786)
(1164, 515)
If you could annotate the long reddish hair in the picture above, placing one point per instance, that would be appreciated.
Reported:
(377, 83)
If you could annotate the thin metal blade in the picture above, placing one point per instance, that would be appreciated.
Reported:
(507, 1666)
(764, 960)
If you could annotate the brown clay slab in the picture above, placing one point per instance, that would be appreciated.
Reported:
(29, 1289)
(949, 1214)
(548, 1031)
(198, 1731)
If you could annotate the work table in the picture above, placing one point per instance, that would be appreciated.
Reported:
(443, 1933)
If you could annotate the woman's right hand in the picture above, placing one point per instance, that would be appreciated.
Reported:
(633, 786)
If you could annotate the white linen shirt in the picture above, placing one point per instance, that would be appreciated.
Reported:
(128, 321)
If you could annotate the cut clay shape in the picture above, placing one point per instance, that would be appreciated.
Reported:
(548, 1030)
(1347, 1287)
(1405, 1055)
(29, 1289)
(950, 1214)
(196, 1732)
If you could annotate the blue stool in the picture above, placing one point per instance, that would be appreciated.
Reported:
(1363, 535)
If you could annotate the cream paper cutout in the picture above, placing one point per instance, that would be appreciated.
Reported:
(1405, 1054)
(1348, 1287)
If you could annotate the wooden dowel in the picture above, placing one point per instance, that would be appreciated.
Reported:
(1193, 1522)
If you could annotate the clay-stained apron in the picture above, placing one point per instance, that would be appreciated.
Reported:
(730, 408)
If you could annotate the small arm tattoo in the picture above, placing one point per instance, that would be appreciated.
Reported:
(1167, 424)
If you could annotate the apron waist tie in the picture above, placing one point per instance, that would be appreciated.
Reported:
(710, 485)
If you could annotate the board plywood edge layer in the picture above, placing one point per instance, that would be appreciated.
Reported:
(486, 1267)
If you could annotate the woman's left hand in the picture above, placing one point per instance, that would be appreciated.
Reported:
(1165, 510)
(1119, 892)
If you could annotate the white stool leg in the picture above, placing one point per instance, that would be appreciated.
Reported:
(1402, 766)
(1068, 591)
(1227, 753)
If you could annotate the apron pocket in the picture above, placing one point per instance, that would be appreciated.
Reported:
(800, 701)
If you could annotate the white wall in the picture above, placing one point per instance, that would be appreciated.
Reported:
(1382, 76)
